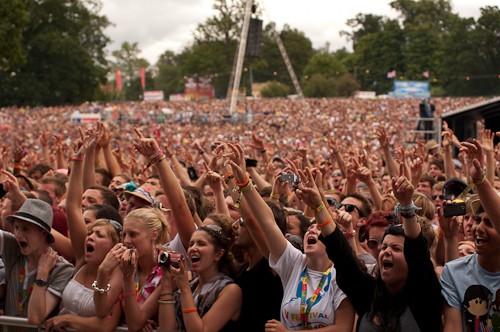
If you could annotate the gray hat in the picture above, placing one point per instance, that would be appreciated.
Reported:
(36, 212)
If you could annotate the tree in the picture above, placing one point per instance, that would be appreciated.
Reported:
(65, 58)
(299, 49)
(169, 78)
(362, 25)
(274, 89)
(14, 19)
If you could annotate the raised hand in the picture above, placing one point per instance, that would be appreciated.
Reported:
(474, 159)
(381, 135)
(487, 137)
(257, 143)
(145, 146)
(236, 159)
(213, 179)
(308, 191)
(448, 226)
(402, 187)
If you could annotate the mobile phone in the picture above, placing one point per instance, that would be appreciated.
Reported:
(292, 179)
(250, 162)
(454, 209)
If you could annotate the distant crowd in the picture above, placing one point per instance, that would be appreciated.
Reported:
(293, 214)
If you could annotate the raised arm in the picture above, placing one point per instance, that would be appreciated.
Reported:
(449, 166)
(487, 194)
(403, 191)
(183, 219)
(89, 160)
(104, 142)
(276, 241)
(214, 180)
(391, 164)
(489, 151)
(76, 224)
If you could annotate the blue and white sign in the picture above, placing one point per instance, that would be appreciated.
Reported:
(411, 89)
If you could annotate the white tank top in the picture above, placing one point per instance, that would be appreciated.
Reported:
(77, 299)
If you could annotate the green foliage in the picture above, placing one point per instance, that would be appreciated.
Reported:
(64, 54)
(14, 19)
(325, 63)
(274, 89)
(319, 85)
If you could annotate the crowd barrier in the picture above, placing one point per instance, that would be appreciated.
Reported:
(20, 324)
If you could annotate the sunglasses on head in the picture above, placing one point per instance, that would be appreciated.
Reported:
(373, 243)
(333, 202)
(159, 206)
(349, 207)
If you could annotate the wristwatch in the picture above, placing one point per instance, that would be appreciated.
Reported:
(41, 283)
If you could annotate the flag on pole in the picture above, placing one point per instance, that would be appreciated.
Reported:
(143, 78)
(118, 77)
(391, 74)
(425, 74)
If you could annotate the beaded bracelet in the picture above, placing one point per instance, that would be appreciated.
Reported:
(350, 234)
(100, 290)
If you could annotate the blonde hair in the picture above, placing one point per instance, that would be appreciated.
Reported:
(153, 220)
(427, 206)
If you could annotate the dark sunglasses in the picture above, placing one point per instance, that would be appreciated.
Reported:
(373, 243)
(333, 202)
(349, 207)
(441, 197)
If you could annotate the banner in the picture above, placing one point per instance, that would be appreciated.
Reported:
(143, 78)
(118, 76)
(153, 95)
(411, 89)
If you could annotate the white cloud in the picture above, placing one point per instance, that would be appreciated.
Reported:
(160, 25)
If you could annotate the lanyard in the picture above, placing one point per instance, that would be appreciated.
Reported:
(137, 292)
(304, 313)
(23, 291)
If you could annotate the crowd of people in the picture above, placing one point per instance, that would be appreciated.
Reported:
(310, 214)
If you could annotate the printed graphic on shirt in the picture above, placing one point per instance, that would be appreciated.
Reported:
(480, 311)
(321, 311)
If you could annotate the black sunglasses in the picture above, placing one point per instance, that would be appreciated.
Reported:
(373, 243)
(349, 207)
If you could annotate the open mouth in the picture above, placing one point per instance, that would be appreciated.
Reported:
(387, 265)
(312, 240)
(90, 248)
(480, 241)
(23, 244)
(195, 259)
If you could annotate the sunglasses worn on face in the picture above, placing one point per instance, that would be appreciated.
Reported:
(434, 197)
(159, 206)
(349, 207)
(373, 243)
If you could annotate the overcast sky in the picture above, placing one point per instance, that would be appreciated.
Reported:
(160, 25)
